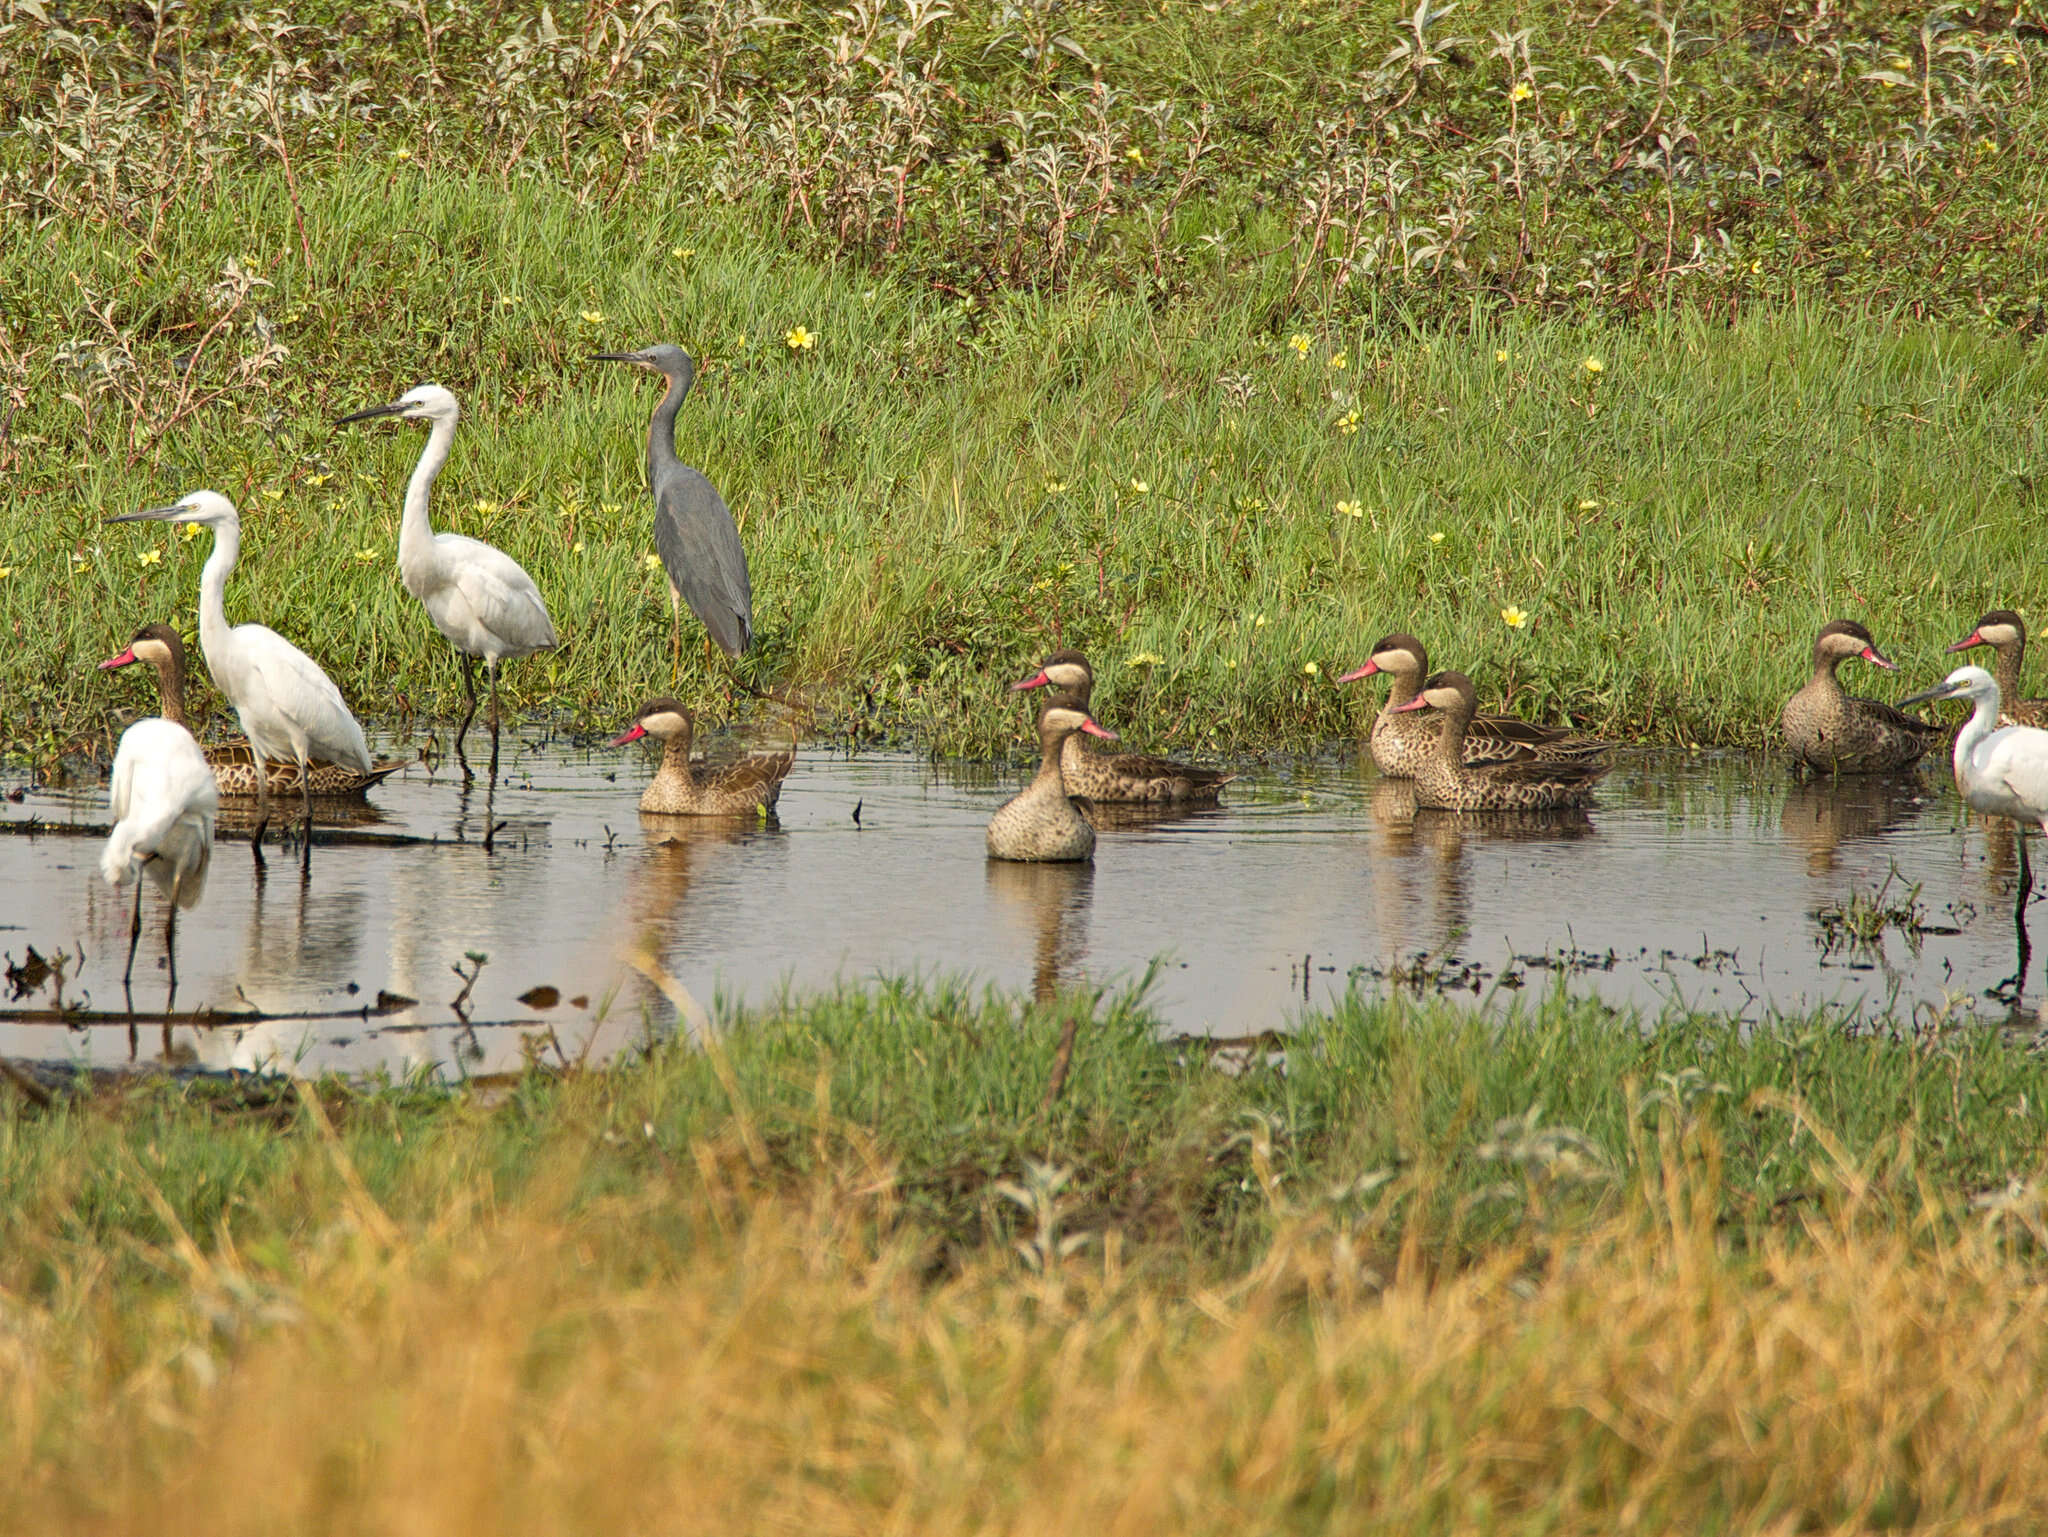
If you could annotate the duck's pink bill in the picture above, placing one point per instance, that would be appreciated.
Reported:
(1041, 681)
(1417, 703)
(1362, 672)
(119, 661)
(1974, 638)
(634, 735)
(1872, 654)
(1092, 729)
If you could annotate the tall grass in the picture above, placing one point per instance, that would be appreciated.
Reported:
(845, 1273)
(1798, 247)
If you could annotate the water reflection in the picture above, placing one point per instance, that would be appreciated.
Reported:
(1704, 876)
(1050, 902)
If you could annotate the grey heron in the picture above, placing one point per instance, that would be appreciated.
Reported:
(693, 529)
(478, 597)
(164, 803)
(288, 707)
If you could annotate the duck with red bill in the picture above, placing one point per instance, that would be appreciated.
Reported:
(1114, 778)
(681, 788)
(1830, 731)
(2005, 632)
(1041, 825)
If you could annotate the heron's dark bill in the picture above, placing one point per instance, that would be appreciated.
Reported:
(370, 413)
(634, 735)
(1939, 691)
(617, 357)
(148, 514)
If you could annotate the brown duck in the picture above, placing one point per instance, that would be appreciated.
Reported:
(1111, 778)
(1041, 823)
(1401, 740)
(1447, 780)
(234, 763)
(749, 787)
(2006, 634)
(1833, 732)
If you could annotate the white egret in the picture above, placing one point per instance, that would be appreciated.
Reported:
(2000, 770)
(479, 597)
(164, 802)
(289, 709)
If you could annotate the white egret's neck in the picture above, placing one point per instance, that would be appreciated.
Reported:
(415, 535)
(1982, 722)
(213, 586)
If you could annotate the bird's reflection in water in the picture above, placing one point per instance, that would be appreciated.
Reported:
(1054, 900)
(1822, 814)
(676, 854)
(1421, 843)
(1136, 816)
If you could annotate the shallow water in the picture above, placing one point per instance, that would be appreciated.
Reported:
(1696, 882)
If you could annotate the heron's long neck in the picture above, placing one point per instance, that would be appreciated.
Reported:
(1982, 722)
(413, 530)
(213, 586)
(661, 432)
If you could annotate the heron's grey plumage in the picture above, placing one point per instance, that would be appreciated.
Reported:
(694, 533)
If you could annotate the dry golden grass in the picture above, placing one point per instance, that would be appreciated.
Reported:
(731, 1352)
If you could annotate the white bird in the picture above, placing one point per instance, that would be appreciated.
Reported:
(2000, 770)
(164, 801)
(289, 709)
(479, 597)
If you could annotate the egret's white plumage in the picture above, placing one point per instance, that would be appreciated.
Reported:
(479, 598)
(164, 801)
(289, 708)
(2000, 770)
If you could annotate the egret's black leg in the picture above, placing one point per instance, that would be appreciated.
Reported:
(306, 834)
(675, 636)
(468, 711)
(134, 931)
(262, 808)
(492, 668)
(171, 950)
(490, 798)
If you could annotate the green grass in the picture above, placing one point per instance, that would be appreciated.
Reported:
(1826, 408)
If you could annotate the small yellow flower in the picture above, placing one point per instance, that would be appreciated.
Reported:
(1300, 342)
(1348, 422)
(576, 548)
(1757, 265)
(189, 530)
(800, 340)
(1351, 509)
(1522, 91)
(1055, 487)
(651, 562)
(683, 253)
(1339, 360)
(607, 506)
(486, 507)
(740, 343)
(7, 571)
(592, 317)
(1310, 668)
(1135, 155)
(1592, 365)
(366, 556)
(1587, 504)
(274, 494)
(401, 153)
(311, 480)
(1436, 536)
(1141, 487)
(1231, 664)
(508, 300)
(78, 563)
(1500, 355)
(2011, 61)
(1514, 618)
(151, 557)
(1258, 621)
(1146, 659)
